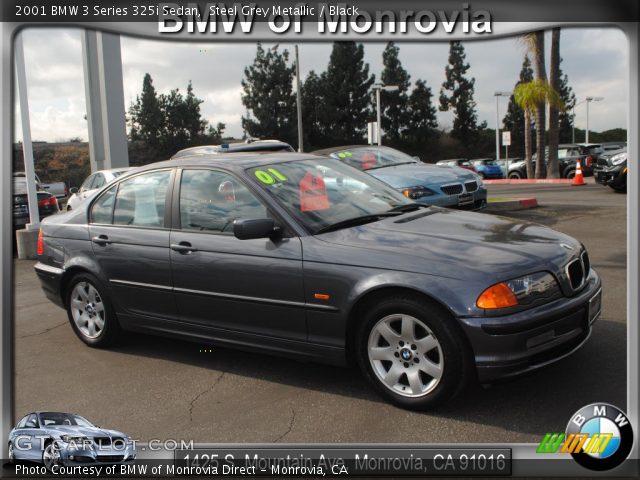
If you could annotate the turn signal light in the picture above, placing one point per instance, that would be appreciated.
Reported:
(40, 245)
(497, 296)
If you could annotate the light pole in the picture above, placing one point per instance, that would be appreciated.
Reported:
(573, 121)
(589, 100)
(298, 100)
(387, 88)
(498, 95)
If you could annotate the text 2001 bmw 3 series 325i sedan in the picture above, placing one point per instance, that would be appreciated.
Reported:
(305, 256)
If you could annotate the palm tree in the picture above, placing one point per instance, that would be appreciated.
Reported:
(529, 96)
(554, 115)
(535, 44)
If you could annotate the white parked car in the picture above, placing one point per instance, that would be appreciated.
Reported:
(91, 185)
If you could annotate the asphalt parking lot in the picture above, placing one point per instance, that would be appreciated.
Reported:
(155, 388)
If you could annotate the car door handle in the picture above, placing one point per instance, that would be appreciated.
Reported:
(101, 240)
(183, 247)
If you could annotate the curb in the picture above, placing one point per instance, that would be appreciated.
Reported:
(512, 205)
(525, 181)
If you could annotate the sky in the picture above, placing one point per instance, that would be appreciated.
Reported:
(596, 61)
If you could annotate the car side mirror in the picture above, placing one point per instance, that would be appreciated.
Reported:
(73, 190)
(249, 229)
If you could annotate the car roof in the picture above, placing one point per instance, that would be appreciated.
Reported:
(330, 150)
(111, 170)
(237, 147)
(240, 161)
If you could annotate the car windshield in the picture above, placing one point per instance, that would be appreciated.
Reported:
(58, 418)
(323, 193)
(367, 158)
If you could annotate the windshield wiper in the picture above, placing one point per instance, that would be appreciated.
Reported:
(390, 165)
(410, 207)
(352, 222)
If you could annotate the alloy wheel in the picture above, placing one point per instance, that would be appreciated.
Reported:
(87, 309)
(405, 355)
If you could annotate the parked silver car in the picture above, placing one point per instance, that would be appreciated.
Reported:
(56, 438)
(91, 185)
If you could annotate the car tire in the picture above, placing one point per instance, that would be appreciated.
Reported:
(50, 456)
(570, 174)
(69, 208)
(90, 312)
(11, 454)
(412, 352)
(515, 176)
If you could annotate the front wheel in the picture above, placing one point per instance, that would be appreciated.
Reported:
(515, 176)
(412, 353)
(570, 174)
(90, 312)
(50, 456)
(12, 454)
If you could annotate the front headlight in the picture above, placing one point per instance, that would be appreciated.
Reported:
(525, 291)
(417, 192)
(618, 158)
(479, 180)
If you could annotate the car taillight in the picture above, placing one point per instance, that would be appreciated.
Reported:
(48, 202)
(66, 190)
(588, 161)
(40, 246)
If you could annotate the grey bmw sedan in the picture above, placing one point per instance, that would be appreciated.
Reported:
(307, 257)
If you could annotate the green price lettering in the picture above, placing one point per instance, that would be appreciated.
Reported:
(271, 177)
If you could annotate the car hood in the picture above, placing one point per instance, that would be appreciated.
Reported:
(456, 244)
(419, 174)
(83, 431)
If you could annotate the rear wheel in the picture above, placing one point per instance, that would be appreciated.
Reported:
(570, 174)
(90, 313)
(412, 352)
(515, 175)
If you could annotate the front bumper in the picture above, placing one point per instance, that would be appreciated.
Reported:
(476, 200)
(89, 456)
(609, 176)
(519, 343)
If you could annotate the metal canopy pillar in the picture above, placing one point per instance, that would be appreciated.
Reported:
(27, 148)
(105, 100)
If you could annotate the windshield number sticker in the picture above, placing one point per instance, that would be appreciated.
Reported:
(345, 154)
(270, 177)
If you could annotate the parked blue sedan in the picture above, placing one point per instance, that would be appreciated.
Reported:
(487, 168)
(424, 183)
(61, 439)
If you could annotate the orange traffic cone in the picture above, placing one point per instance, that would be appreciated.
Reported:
(578, 179)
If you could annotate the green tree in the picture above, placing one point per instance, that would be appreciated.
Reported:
(145, 115)
(268, 95)
(529, 96)
(346, 107)
(457, 94)
(514, 119)
(422, 122)
(160, 125)
(566, 115)
(313, 122)
(394, 114)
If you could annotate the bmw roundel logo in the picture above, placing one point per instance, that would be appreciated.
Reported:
(605, 434)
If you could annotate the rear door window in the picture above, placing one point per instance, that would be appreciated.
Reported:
(140, 201)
